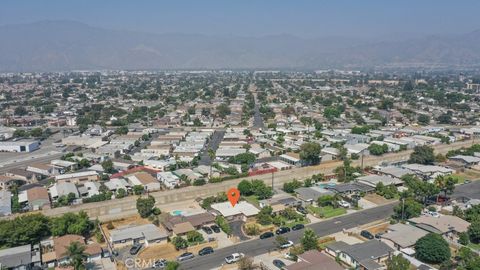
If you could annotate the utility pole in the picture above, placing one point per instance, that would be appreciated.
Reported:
(362, 160)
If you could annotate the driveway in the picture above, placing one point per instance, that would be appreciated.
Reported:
(237, 230)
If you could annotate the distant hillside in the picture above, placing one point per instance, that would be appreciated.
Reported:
(66, 45)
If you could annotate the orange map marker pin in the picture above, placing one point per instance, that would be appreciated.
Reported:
(233, 195)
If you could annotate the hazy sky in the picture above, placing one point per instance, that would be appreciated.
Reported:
(306, 18)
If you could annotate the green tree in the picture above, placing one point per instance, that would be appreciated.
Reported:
(423, 119)
(223, 110)
(121, 193)
(76, 252)
(398, 262)
(309, 240)
(409, 208)
(264, 217)
(290, 187)
(36, 132)
(474, 231)
(179, 242)
(446, 184)
(432, 248)
(23, 230)
(310, 152)
(145, 206)
(378, 149)
(107, 166)
(71, 223)
(138, 189)
(245, 188)
(327, 200)
(194, 236)
(422, 155)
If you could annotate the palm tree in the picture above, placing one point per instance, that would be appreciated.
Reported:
(76, 252)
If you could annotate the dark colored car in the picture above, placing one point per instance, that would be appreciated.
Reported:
(297, 227)
(302, 210)
(282, 230)
(185, 256)
(266, 235)
(367, 234)
(207, 230)
(279, 264)
(215, 228)
(135, 249)
(205, 251)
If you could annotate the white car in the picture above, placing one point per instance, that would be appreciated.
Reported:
(287, 244)
(235, 257)
(344, 204)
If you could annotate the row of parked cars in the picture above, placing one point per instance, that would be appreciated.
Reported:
(282, 230)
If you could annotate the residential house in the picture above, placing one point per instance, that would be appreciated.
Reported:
(446, 225)
(314, 260)
(147, 234)
(63, 189)
(144, 179)
(366, 255)
(41, 170)
(403, 237)
(242, 210)
(20, 258)
(311, 194)
(77, 177)
(168, 179)
(35, 198)
(55, 250)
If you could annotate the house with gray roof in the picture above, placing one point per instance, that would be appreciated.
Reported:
(147, 233)
(311, 194)
(20, 258)
(369, 255)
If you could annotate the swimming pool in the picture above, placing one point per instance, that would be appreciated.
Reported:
(177, 212)
(327, 185)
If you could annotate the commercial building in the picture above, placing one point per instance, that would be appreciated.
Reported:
(19, 146)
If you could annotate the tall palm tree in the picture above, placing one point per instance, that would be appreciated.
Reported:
(76, 252)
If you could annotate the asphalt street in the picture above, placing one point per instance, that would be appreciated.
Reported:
(471, 191)
(212, 144)
(257, 247)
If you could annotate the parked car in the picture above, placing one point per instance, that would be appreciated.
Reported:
(467, 181)
(344, 204)
(297, 227)
(185, 256)
(207, 230)
(160, 264)
(302, 210)
(434, 214)
(367, 234)
(215, 228)
(235, 257)
(279, 264)
(290, 257)
(205, 251)
(287, 244)
(135, 249)
(266, 235)
(282, 230)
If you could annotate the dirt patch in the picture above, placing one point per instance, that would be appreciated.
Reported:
(376, 199)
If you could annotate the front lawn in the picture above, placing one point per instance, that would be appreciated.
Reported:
(326, 211)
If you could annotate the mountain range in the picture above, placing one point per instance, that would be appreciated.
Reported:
(68, 45)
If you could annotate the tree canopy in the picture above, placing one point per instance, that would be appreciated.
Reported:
(432, 248)
(422, 155)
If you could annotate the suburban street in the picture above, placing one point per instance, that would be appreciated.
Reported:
(119, 208)
(257, 246)
(213, 145)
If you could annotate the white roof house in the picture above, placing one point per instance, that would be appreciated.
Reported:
(241, 208)
(117, 183)
(63, 189)
(168, 179)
